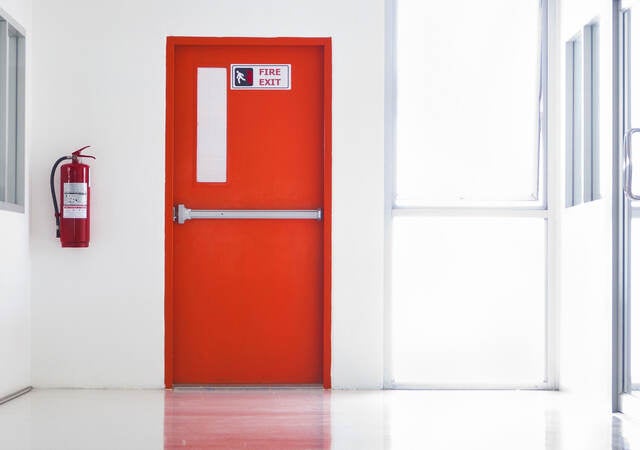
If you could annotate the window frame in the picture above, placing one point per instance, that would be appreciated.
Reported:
(410, 203)
(534, 208)
(12, 112)
(582, 164)
(591, 163)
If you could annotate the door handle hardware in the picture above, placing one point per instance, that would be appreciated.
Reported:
(182, 214)
(628, 165)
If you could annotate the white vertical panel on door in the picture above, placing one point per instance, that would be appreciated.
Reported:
(212, 125)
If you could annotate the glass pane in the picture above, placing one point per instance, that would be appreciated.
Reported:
(591, 117)
(632, 119)
(573, 122)
(634, 303)
(212, 125)
(632, 109)
(4, 160)
(468, 94)
(13, 180)
(468, 301)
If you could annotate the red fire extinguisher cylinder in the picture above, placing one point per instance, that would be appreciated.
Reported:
(75, 199)
(73, 213)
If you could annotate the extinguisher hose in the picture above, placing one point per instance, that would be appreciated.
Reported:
(53, 192)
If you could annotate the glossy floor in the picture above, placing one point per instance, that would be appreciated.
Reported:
(309, 419)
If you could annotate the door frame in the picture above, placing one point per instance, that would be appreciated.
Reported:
(617, 200)
(623, 399)
(173, 42)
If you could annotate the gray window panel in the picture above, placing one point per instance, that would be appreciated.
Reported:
(12, 94)
(591, 119)
(574, 101)
(582, 123)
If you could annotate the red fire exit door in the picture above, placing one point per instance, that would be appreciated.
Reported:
(248, 211)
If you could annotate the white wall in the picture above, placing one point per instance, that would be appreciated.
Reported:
(14, 266)
(586, 243)
(99, 79)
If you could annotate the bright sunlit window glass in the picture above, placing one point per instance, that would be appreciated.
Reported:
(632, 112)
(468, 301)
(634, 309)
(632, 118)
(468, 101)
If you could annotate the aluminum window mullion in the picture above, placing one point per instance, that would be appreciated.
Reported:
(591, 176)
(626, 208)
(617, 201)
(543, 105)
(577, 111)
(595, 112)
(4, 89)
(550, 63)
(20, 121)
(470, 212)
(390, 92)
(570, 129)
(591, 135)
(587, 107)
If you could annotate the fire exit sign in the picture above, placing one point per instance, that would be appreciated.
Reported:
(261, 76)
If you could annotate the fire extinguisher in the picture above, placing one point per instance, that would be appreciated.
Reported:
(73, 216)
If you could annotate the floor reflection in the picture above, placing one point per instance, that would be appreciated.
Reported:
(491, 420)
(310, 419)
(246, 419)
(625, 433)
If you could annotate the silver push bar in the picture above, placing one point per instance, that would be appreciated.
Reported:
(181, 214)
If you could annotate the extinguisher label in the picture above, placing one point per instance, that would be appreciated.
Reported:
(74, 204)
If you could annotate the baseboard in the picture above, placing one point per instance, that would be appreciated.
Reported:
(214, 387)
(16, 394)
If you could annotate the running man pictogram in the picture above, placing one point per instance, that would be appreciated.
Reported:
(243, 76)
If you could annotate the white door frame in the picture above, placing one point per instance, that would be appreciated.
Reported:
(622, 398)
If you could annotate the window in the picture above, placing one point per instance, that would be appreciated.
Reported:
(12, 79)
(211, 160)
(631, 116)
(467, 212)
(468, 94)
(574, 122)
(582, 156)
(470, 300)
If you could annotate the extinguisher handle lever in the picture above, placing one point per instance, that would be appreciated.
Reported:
(77, 154)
